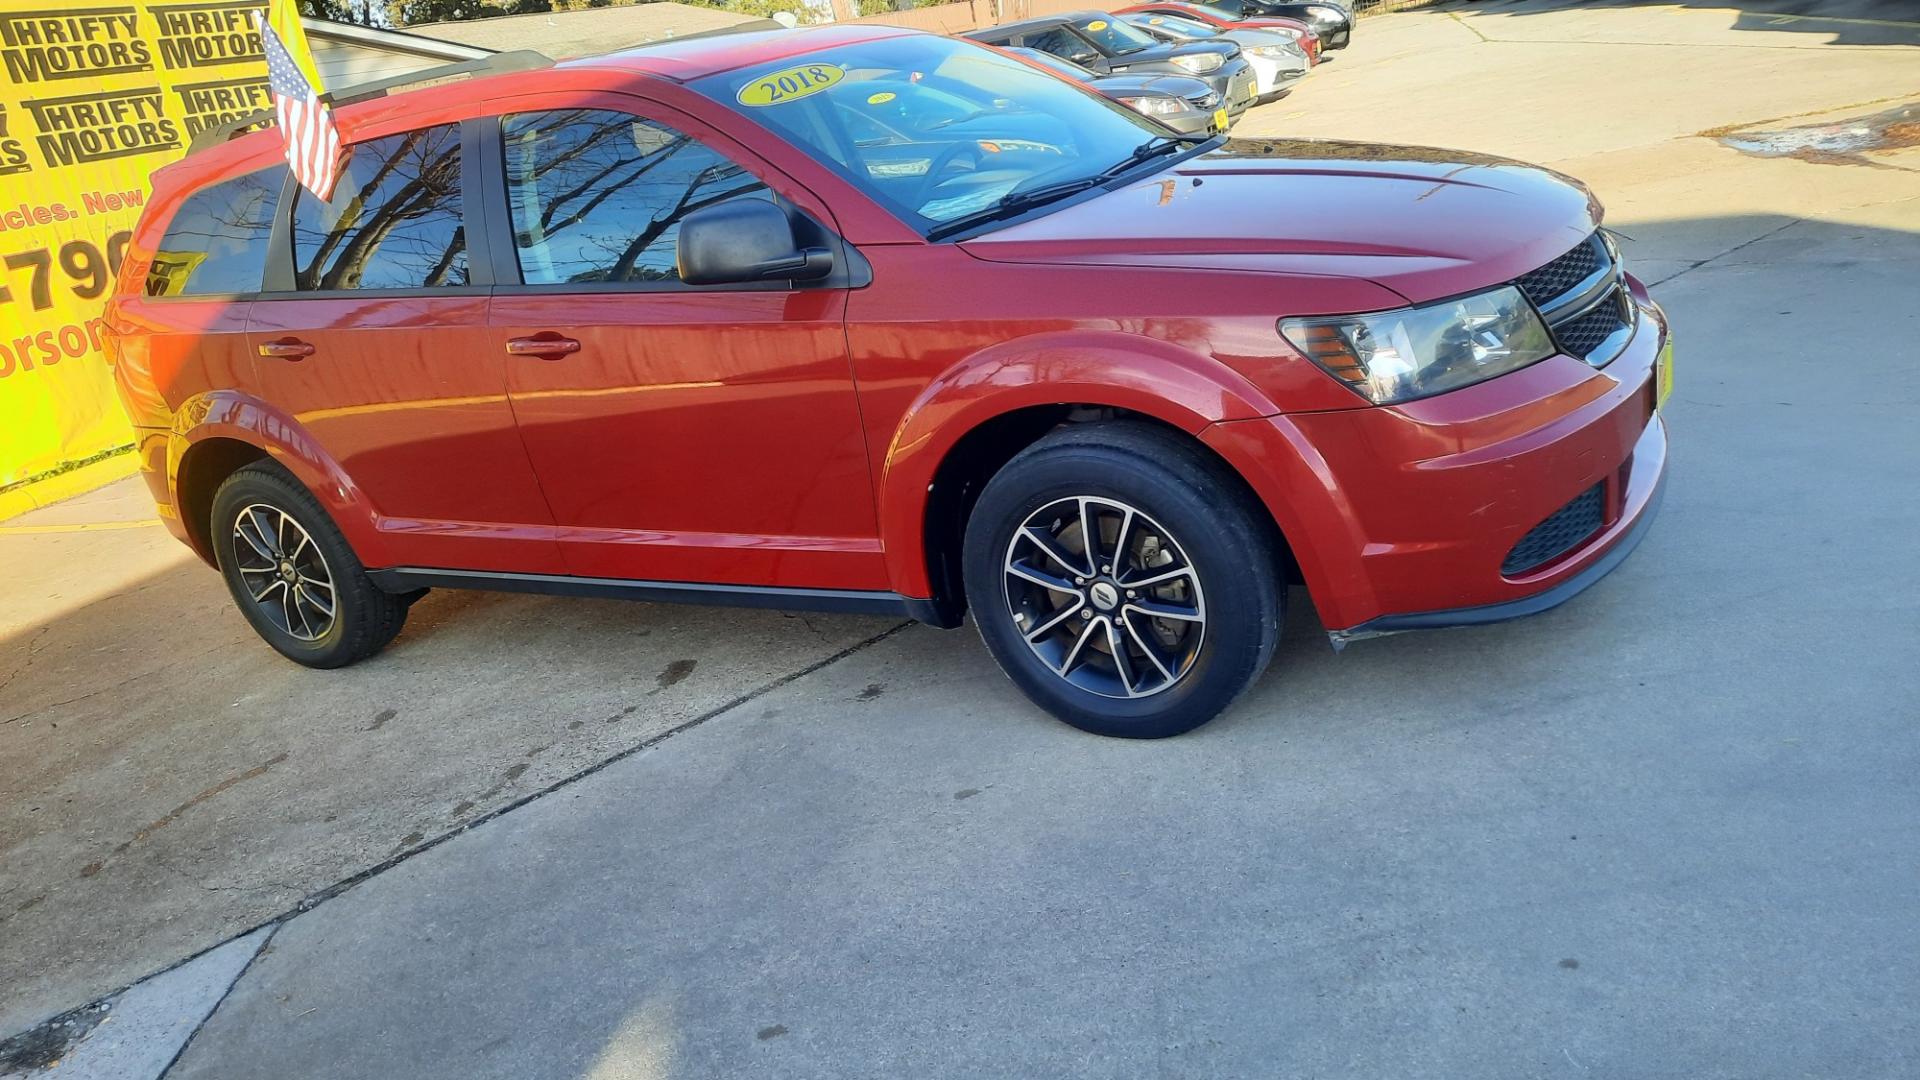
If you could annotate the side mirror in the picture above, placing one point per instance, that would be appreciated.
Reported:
(745, 240)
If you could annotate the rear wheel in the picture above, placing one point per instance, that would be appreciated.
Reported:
(293, 575)
(1123, 580)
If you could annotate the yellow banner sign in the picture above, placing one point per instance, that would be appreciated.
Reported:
(96, 96)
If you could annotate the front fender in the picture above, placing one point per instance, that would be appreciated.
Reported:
(231, 414)
(1148, 376)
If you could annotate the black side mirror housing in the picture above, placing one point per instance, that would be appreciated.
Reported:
(744, 240)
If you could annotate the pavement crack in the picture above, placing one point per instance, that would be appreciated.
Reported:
(1472, 29)
(1729, 129)
(315, 899)
(108, 688)
(265, 946)
(1716, 258)
(34, 645)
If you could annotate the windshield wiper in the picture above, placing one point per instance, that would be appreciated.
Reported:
(1013, 202)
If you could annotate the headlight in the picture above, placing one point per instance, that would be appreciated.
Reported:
(1154, 106)
(1277, 52)
(1199, 63)
(1325, 14)
(1416, 352)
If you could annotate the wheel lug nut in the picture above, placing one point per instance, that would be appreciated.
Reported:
(1086, 613)
(1079, 581)
(1106, 569)
(1132, 595)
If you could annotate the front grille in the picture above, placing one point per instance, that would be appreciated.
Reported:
(1545, 285)
(1565, 530)
(1584, 324)
(1580, 337)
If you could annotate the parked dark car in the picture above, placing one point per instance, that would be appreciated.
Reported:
(1108, 45)
(1184, 103)
(1333, 22)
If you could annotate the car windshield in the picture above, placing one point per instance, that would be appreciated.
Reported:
(934, 128)
(1227, 9)
(1117, 37)
(1175, 25)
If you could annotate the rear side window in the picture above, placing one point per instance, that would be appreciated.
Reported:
(598, 196)
(217, 241)
(394, 219)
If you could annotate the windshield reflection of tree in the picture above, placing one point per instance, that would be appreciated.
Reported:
(404, 207)
(643, 168)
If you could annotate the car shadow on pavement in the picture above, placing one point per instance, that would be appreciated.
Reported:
(1841, 22)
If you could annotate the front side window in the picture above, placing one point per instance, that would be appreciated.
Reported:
(935, 129)
(394, 219)
(1062, 42)
(218, 240)
(598, 196)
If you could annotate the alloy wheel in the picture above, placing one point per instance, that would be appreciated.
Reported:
(282, 569)
(1105, 597)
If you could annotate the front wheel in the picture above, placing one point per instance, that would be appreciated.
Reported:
(1123, 579)
(293, 575)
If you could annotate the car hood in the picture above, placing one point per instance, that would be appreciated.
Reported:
(1425, 223)
(1180, 86)
(1249, 39)
(1164, 53)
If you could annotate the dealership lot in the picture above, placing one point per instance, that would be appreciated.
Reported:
(1665, 829)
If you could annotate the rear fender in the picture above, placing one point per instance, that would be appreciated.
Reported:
(227, 414)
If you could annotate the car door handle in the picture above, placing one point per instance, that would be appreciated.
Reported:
(288, 349)
(547, 348)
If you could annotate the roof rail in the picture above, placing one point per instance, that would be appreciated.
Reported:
(498, 63)
(231, 129)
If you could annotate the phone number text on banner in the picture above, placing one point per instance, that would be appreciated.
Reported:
(96, 97)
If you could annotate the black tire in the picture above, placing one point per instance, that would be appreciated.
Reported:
(1163, 479)
(363, 618)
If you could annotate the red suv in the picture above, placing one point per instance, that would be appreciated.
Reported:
(867, 320)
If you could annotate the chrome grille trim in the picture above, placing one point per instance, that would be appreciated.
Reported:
(1571, 312)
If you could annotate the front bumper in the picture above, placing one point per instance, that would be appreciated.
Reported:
(1612, 545)
(1334, 35)
(1236, 85)
(1273, 77)
(1190, 121)
(1400, 517)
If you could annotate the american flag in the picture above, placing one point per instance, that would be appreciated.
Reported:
(313, 142)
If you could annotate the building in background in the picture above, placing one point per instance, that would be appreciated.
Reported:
(585, 32)
(346, 54)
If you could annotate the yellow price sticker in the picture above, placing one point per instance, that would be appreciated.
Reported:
(881, 98)
(1155, 21)
(1097, 25)
(788, 84)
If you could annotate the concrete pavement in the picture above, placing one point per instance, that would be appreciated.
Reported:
(1662, 831)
